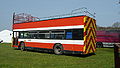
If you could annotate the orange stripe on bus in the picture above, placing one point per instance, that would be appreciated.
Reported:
(71, 47)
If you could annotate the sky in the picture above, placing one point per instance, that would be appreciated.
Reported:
(107, 11)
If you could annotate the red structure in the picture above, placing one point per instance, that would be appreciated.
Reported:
(107, 38)
(74, 34)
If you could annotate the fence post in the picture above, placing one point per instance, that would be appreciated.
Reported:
(117, 55)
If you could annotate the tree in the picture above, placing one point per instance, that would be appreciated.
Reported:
(117, 24)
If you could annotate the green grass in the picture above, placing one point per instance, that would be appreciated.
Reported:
(11, 58)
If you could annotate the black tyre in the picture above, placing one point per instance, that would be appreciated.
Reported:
(99, 45)
(22, 46)
(58, 49)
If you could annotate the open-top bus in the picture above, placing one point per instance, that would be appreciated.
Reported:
(75, 34)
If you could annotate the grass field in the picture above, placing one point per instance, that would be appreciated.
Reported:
(11, 58)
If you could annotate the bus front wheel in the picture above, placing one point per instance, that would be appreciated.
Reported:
(58, 49)
(22, 46)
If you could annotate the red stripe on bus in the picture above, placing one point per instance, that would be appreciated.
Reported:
(71, 47)
(14, 45)
(51, 23)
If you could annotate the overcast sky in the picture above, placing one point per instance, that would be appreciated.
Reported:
(107, 11)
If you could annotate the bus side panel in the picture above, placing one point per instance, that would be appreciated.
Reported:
(39, 45)
(89, 35)
(73, 47)
(68, 47)
(51, 23)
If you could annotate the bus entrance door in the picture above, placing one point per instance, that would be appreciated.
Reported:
(15, 38)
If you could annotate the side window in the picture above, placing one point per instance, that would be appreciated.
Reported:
(26, 35)
(57, 34)
(69, 34)
(81, 34)
(44, 34)
(23, 35)
(74, 34)
(78, 34)
(33, 35)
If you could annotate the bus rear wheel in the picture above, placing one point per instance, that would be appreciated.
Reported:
(58, 49)
(22, 46)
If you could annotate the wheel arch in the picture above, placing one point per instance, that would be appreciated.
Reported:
(55, 45)
(20, 43)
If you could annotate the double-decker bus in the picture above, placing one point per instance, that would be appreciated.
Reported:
(75, 34)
